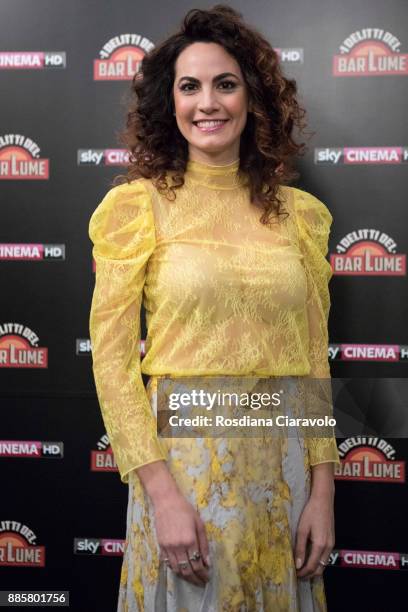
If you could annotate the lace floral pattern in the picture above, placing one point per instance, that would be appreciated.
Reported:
(223, 294)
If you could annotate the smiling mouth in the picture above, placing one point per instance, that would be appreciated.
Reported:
(210, 122)
(210, 126)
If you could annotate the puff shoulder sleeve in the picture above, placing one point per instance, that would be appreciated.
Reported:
(314, 222)
(122, 231)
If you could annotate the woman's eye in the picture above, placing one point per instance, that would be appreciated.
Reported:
(223, 84)
(228, 83)
(184, 87)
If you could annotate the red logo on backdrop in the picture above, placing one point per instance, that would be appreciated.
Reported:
(17, 546)
(103, 460)
(120, 57)
(369, 459)
(368, 252)
(20, 159)
(370, 52)
(19, 347)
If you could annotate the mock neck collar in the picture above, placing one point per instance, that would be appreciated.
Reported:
(213, 176)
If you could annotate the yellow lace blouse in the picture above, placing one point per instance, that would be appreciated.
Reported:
(223, 294)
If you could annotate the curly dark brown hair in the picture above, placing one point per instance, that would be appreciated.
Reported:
(267, 146)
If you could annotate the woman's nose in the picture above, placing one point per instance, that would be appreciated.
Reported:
(208, 100)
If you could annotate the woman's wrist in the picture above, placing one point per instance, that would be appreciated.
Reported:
(323, 481)
(157, 481)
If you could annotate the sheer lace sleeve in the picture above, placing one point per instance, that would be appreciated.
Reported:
(314, 222)
(122, 231)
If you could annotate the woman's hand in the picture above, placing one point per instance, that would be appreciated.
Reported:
(179, 528)
(180, 533)
(316, 525)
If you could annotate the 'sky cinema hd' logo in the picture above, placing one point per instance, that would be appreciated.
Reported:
(370, 52)
(102, 157)
(20, 159)
(19, 347)
(358, 156)
(368, 252)
(369, 559)
(31, 449)
(347, 351)
(120, 57)
(109, 547)
(32, 252)
(32, 60)
(290, 55)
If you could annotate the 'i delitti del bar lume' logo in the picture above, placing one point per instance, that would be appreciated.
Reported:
(370, 460)
(120, 57)
(370, 52)
(18, 546)
(19, 347)
(368, 252)
(20, 159)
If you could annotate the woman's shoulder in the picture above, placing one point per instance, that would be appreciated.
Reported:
(313, 221)
(124, 199)
(312, 216)
(123, 216)
(306, 204)
(136, 190)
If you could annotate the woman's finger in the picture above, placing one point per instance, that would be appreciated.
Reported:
(203, 541)
(173, 561)
(163, 555)
(325, 558)
(185, 568)
(312, 562)
(300, 548)
(197, 564)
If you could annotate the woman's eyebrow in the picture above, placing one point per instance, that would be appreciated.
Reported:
(216, 78)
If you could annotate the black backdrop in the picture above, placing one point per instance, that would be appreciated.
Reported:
(62, 505)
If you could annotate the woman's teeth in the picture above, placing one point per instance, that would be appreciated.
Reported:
(216, 122)
(210, 125)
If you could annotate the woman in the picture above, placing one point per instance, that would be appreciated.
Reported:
(230, 266)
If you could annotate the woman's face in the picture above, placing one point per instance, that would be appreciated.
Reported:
(209, 86)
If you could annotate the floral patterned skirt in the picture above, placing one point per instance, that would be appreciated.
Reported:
(250, 493)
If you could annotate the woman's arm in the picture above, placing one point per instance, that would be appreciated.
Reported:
(179, 528)
(316, 524)
(314, 222)
(315, 533)
(323, 480)
(123, 233)
(157, 481)
(122, 230)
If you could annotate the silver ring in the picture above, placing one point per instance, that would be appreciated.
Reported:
(183, 564)
(195, 556)
(323, 563)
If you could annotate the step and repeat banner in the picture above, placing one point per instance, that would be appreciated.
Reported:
(65, 72)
